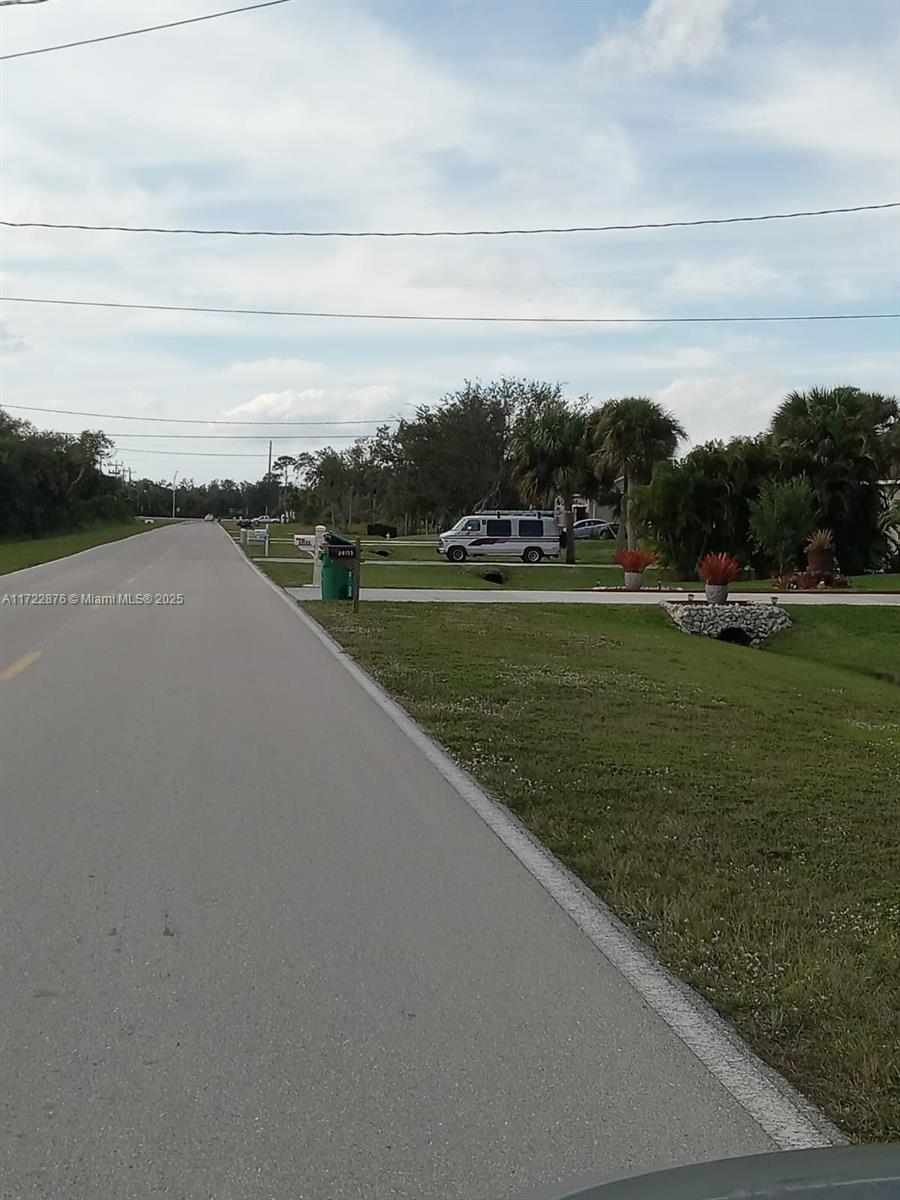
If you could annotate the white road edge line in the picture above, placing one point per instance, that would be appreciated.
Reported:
(789, 1119)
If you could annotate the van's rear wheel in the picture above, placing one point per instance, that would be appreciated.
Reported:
(533, 554)
(457, 554)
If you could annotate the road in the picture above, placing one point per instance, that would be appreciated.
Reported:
(255, 947)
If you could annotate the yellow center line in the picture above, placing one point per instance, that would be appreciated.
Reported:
(20, 665)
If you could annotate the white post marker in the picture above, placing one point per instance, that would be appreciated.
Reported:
(311, 543)
(317, 562)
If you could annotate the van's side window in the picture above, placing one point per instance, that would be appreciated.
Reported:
(499, 528)
(472, 527)
(531, 529)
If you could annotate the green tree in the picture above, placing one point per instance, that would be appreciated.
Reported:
(455, 457)
(631, 436)
(552, 457)
(51, 481)
(781, 519)
(701, 503)
(844, 440)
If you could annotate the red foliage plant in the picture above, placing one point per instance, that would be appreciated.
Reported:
(635, 561)
(719, 569)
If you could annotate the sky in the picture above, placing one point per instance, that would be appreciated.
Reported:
(448, 114)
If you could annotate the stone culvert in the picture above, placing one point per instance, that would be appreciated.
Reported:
(745, 624)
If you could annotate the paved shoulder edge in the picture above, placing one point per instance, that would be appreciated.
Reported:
(789, 1119)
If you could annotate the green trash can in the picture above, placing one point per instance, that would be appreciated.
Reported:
(337, 577)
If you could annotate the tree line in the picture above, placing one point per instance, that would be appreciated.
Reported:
(822, 462)
(54, 481)
(515, 442)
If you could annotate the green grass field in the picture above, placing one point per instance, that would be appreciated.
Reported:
(519, 577)
(586, 552)
(438, 576)
(738, 808)
(29, 552)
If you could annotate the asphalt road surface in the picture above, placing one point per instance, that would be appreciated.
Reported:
(254, 947)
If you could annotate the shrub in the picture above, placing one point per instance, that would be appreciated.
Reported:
(781, 520)
(820, 541)
(806, 581)
(719, 569)
(702, 501)
(635, 561)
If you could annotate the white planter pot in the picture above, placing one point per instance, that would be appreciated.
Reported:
(717, 593)
(634, 581)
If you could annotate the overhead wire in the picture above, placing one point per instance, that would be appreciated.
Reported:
(369, 316)
(451, 233)
(77, 412)
(244, 437)
(190, 453)
(111, 37)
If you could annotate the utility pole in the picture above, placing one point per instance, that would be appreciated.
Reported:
(174, 477)
(268, 473)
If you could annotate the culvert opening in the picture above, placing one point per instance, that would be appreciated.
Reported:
(737, 637)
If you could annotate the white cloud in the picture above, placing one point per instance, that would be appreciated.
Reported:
(739, 275)
(669, 36)
(275, 371)
(9, 342)
(844, 105)
(374, 402)
(322, 115)
(723, 406)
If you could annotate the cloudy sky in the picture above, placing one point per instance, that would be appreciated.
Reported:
(410, 114)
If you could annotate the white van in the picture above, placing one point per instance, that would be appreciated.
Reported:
(530, 536)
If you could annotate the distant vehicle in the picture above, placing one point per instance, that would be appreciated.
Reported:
(530, 536)
(593, 527)
(266, 520)
(243, 522)
(209, 517)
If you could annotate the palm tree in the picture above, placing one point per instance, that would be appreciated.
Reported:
(551, 457)
(843, 439)
(808, 420)
(631, 436)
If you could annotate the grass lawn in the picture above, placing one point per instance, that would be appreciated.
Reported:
(586, 552)
(519, 577)
(738, 808)
(29, 552)
(438, 576)
(863, 641)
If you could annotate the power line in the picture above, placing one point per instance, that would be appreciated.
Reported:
(75, 412)
(111, 37)
(367, 316)
(191, 454)
(433, 233)
(246, 437)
